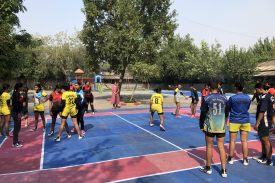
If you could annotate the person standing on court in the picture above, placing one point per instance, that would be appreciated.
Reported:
(115, 100)
(89, 97)
(156, 105)
(213, 116)
(220, 89)
(17, 109)
(238, 106)
(265, 114)
(40, 97)
(177, 93)
(195, 99)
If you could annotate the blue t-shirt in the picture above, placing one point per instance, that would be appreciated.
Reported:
(215, 107)
(238, 106)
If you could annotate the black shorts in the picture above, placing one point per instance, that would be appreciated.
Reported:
(39, 112)
(263, 130)
(89, 98)
(55, 113)
(194, 101)
(218, 135)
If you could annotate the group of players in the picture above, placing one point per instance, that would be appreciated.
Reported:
(73, 101)
(217, 112)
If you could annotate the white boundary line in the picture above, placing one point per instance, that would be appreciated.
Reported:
(43, 145)
(3, 141)
(168, 172)
(159, 137)
(93, 163)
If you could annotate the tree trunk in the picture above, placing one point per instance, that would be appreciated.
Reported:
(135, 88)
(122, 74)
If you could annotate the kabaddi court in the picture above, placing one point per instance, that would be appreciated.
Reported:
(120, 146)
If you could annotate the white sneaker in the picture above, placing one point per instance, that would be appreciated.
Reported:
(80, 137)
(69, 136)
(151, 124)
(206, 170)
(229, 160)
(224, 173)
(245, 162)
(17, 145)
(57, 139)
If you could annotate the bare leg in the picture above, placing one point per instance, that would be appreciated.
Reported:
(76, 126)
(209, 149)
(151, 118)
(7, 124)
(244, 136)
(222, 152)
(233, 136)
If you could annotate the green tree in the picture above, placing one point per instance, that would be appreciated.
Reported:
(124, 32)
(143, 72)
(177, 60)
(239, 64)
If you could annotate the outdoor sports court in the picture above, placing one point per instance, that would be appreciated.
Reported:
(120, 146)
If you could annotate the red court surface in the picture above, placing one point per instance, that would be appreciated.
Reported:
(28, 163)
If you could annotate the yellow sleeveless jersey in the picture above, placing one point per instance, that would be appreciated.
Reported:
(157, 99)
(4, 109)
(39, 101)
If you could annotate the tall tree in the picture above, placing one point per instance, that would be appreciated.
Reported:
(123, 32)
(8, 19)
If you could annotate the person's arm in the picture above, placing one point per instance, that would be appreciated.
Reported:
(50, 104)
(203, 114)
(196, 96)
(263, 108)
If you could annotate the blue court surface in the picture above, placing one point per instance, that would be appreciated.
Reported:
(118, 135)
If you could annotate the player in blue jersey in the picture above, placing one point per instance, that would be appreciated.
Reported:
(238, 106)
(213, 116)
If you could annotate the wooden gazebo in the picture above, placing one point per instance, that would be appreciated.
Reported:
(79, 75)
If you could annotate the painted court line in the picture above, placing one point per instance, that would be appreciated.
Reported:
(93, 163)
(43, 145)
(158, 137)
(3, 141)
(169, 172)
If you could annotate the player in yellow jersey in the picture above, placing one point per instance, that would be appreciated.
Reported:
(5, 113)
(40, 97)
(156, 105)
(68, 103)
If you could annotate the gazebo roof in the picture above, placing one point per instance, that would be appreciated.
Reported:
(266, 68)
(79, 71)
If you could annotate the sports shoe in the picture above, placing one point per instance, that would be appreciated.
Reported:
(245, 162)
(269, 162)
(17, 145)
(51, 133)
(83, 132)
(93, 113)
(73, 130)
(206, 169)
(229, 160)
(224, 173)
(161, 128)
(80, 137)
(151, 124)
(69, 136)
(262, 160)
(57, 139)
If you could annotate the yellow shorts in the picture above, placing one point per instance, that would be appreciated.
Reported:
(5, 111)
(157, 108)
(69, 111)
(235, 127)
(39, 108)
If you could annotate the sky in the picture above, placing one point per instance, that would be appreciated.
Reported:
(239, 22)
